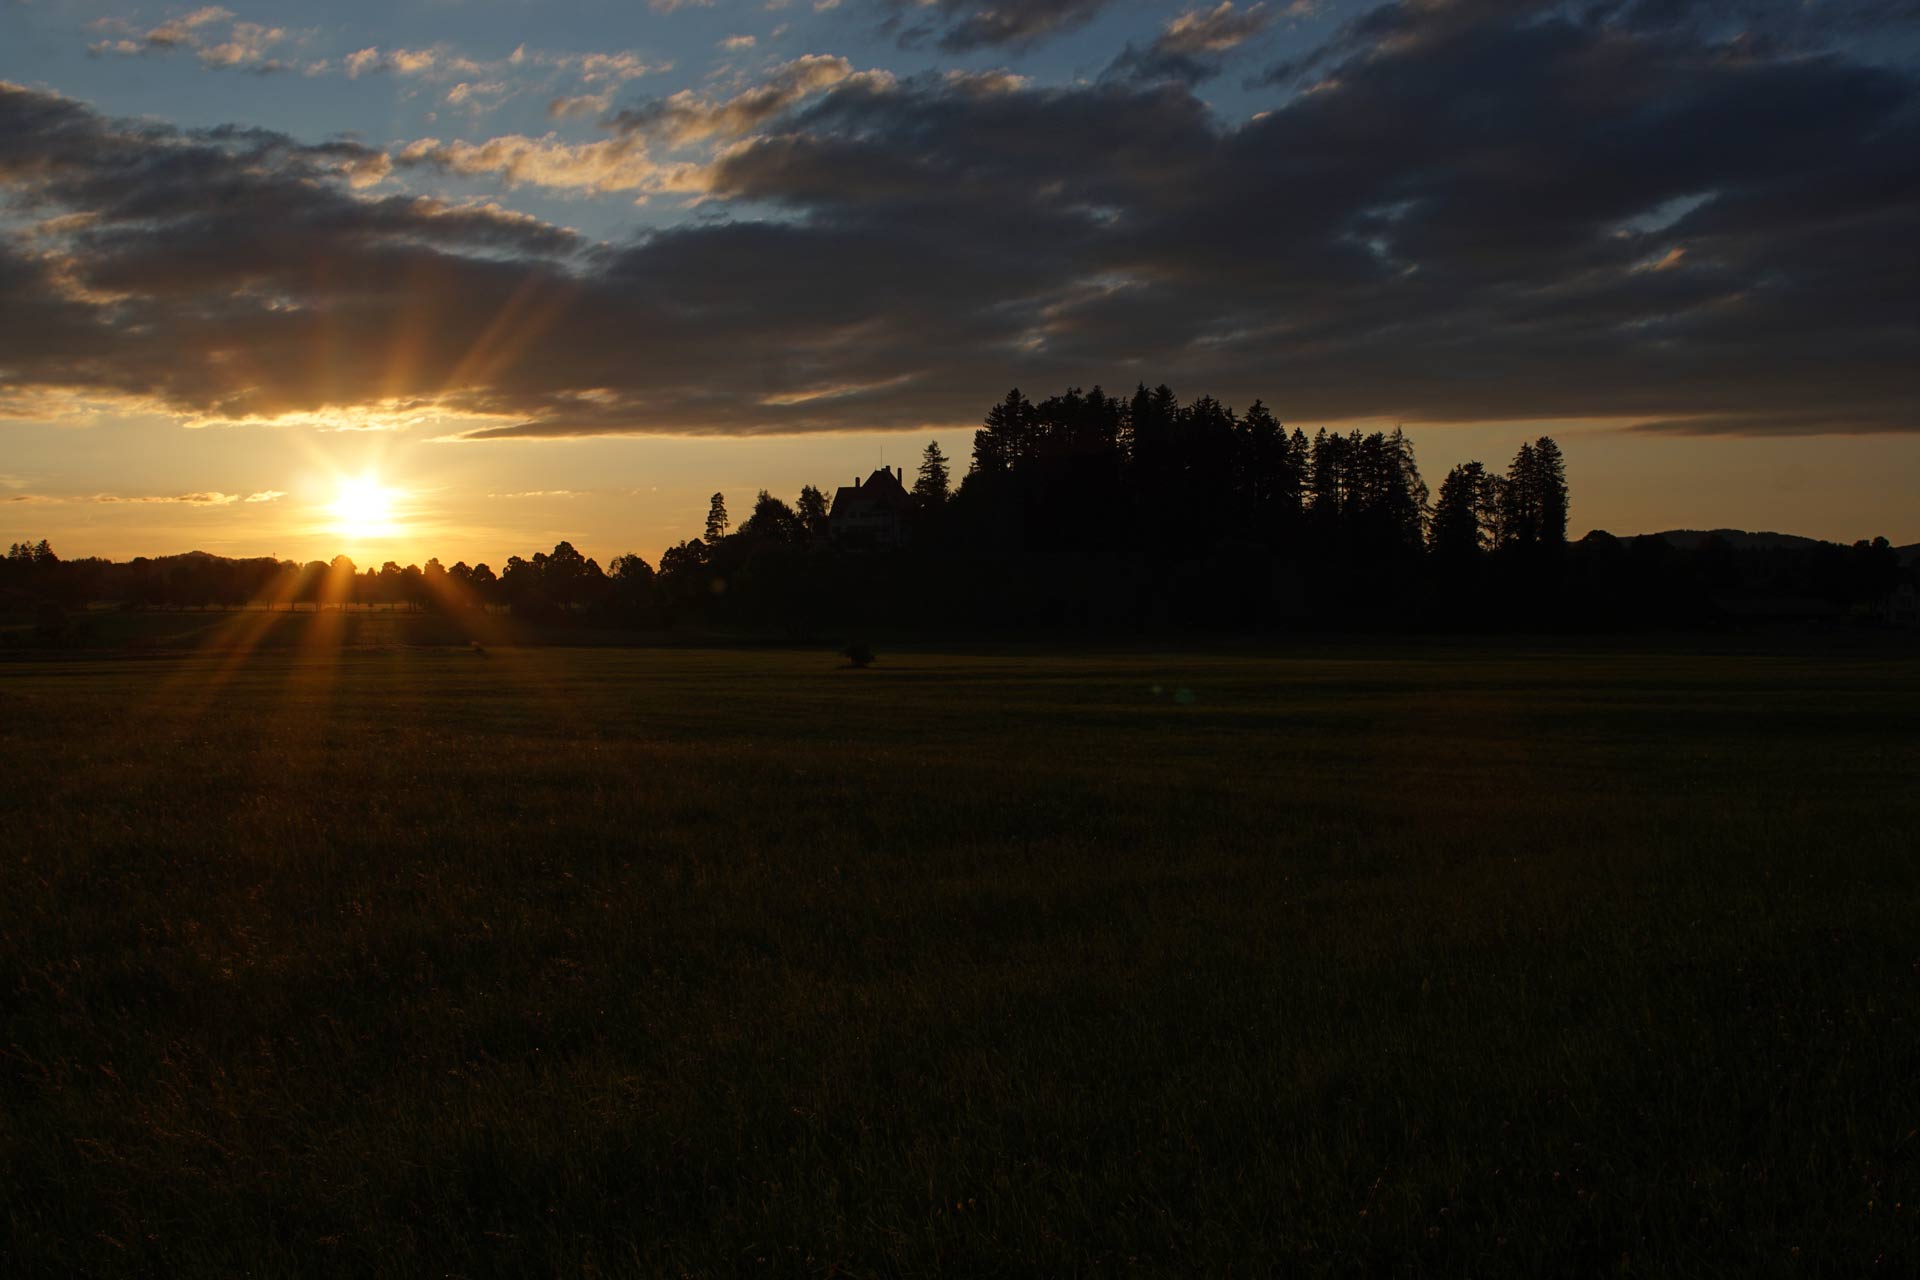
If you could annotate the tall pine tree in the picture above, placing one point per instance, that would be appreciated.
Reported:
(1461, 517)
(930, 486)
(1550, 484)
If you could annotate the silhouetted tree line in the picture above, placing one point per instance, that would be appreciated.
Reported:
(1088, 511)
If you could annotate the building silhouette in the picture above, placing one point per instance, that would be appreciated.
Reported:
(871, 512)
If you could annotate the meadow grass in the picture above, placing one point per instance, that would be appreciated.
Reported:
(1467, 961)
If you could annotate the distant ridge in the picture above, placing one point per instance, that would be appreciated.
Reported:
(1694, 539)
(205, 555)
(1683, 539)
(1745, 540)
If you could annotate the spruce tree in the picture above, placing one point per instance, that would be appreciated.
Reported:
(1459, 517)
(717, 519)
(931, 485)
(1520, 501)
(1006, 439)
(1403, 499)
(1550, 486)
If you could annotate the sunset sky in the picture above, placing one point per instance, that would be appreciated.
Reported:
(562, 270)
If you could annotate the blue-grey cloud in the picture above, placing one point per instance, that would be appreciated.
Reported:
(960, 26)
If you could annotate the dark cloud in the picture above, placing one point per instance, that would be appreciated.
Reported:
(1777, 23)
(227, 272)
(1741, 28)
(1462, 223)
(1480, 211)
(960, 26)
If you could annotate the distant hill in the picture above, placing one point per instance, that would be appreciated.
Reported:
(204, 557)
(1683, 539)
(1741, 539)
(1694, 539)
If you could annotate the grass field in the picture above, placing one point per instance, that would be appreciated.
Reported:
(1474, 962)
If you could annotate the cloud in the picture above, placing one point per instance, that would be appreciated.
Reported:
(1214, 30)
(961, 26)
(478, 94)
(593, 68)
(687, 117)
(600, 74)
(266, 495)
(612, 164)
(185, 271)
(478, 86)
(579, 106)
(1460, 224)
(1775, 25)
(625, 161)
(735, 44)
(406, 62)
(245, 45)
(1191, 46)
(208, 499)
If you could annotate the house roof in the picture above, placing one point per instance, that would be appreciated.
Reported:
(881, 491)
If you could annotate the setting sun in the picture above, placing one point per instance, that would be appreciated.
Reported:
(363, 508)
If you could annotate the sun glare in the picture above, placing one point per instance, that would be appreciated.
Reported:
(363, 508)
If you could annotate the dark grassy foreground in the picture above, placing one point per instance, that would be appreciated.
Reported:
(628, 962)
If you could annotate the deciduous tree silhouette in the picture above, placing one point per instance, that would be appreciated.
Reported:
(812, 510)
(772, 520)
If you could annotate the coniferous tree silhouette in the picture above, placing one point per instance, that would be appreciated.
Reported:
(1550, 485)
(1460, 531)
(931, 485)
(1520, 502)
(1005, 439)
